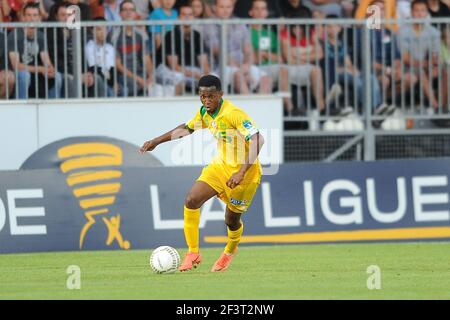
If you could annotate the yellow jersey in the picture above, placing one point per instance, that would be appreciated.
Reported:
(232, 128)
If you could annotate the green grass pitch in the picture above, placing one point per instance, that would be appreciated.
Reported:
(326, 271)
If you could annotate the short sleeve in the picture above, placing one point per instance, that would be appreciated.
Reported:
(244, 124)
(197, 121)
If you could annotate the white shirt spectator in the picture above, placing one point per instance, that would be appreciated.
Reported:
(102, 56)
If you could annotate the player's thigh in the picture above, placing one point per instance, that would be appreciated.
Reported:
(199, 194)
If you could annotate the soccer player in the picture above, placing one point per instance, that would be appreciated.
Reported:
(233, 176)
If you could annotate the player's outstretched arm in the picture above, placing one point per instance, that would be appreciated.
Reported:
(179, 132)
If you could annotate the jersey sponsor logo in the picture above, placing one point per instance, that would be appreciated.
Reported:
(237, 202)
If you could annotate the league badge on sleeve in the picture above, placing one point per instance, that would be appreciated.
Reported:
(249, 126)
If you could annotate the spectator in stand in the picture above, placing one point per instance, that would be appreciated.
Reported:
(288, 7)
(11, 10)
(133, 63)
(385, 55)
(199, 10)
(62, 53)
(112, 11)
(445, 60)
(208, 11)
(266, 51)
(341, 71)
(327, 7)
(438, 9)
(390, 11)
(198, 6)
(97, 9)
(158, 4)
(301, 51)
(85, 12)
(165, 12)
(85, 9)
(29, 58)
(143, 8)
(7, 78)
(240, 71)
(420, 46)
(185, 62)
(445, 47)
(242, 8)
(101, 58)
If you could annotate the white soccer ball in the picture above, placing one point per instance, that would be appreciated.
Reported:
(165, 259)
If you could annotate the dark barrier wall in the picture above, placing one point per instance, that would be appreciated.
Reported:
(134, 207)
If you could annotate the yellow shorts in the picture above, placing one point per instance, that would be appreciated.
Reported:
(238, 199)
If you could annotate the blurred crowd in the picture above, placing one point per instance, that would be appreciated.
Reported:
(168, 59)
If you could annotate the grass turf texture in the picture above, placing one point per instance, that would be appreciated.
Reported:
(408, 271)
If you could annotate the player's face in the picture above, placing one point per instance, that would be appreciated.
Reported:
(210, 99)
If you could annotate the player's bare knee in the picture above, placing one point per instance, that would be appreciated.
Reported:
(192, 202)
(232, 222)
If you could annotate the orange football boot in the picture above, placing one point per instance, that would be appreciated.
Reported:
(223, 262)
(190, 260)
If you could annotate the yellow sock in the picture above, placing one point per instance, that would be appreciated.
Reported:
(191, 222)
(234, 237)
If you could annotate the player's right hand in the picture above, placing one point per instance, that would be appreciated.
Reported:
(148, 146)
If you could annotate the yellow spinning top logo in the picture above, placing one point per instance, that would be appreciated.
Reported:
(92, 172)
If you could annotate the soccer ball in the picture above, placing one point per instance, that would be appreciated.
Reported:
(165, 259)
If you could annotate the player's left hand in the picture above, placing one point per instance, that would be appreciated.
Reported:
(235, 180)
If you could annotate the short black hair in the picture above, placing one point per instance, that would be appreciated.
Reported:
(210, 81)
(31, 5)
